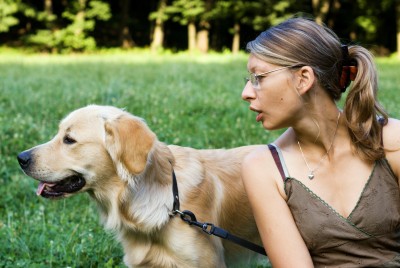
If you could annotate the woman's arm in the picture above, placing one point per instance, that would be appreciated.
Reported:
(391, 143)
(281, 238)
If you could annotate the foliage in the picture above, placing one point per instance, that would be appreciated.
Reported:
(74, 25)
(7, 10)
(185, 11)
(75, 36)
(270, 13)
(160, 14)
(237, 10)
(369, 17)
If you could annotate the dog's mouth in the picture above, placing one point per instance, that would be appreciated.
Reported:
(61, 188)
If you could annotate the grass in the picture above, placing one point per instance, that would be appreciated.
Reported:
(187, 100)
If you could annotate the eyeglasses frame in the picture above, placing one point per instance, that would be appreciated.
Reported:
(255, 77)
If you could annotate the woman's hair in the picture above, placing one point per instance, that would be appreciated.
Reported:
(304, 42)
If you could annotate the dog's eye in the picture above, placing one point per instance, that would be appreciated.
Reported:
(69, 140)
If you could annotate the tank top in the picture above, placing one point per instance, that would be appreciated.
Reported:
(368, 237)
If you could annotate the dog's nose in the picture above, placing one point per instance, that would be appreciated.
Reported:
(24, 159)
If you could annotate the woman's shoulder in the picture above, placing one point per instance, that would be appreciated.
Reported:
(391, 143)
(259, 157)
(391, 135)
(259, 169)
(261, 176)
(263, 155)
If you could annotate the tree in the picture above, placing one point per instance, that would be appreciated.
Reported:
(204, 27)
(70, 25)
(75, 36)
(7, 9)
(125, 36)
(321, 9)
(397, 6)
(48, 11)
(187, 12)
(159, 17)
(237, 10)
(258, 14)
(373, 23)
(83, 15)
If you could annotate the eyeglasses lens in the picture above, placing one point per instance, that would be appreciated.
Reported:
(254, 80)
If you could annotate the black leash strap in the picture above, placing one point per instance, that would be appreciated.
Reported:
(209, 228)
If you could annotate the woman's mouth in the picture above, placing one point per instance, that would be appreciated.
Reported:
(259, 114)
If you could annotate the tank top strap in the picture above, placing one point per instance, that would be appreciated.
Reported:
(279, 161)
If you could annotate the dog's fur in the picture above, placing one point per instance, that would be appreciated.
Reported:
(118, 160)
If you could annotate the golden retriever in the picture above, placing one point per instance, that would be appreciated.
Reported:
(118, 160)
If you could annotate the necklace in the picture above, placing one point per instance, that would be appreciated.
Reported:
(312, 171)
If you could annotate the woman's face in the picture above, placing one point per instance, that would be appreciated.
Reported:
(275, 99)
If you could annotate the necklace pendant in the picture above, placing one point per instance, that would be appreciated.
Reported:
(311, 176)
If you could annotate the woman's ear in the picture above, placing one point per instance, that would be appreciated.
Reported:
(305, 79)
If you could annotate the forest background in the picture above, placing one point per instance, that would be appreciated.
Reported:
(174, 25)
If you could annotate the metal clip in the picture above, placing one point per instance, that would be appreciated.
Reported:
(208, 228)
(174, 212)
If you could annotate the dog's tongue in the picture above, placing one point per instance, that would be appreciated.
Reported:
(41, 187)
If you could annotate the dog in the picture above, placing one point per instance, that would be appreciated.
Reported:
(115, 157)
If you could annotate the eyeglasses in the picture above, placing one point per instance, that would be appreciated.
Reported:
(255, 78)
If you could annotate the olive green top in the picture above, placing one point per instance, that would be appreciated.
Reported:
(368, 237)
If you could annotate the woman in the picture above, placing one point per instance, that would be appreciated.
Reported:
(326, 192)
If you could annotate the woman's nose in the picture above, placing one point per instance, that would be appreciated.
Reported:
(248, 92)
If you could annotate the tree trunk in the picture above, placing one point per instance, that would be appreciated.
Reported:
(320, 10)
(158, 33)
(334, 8)
(48, 10)
(158, 38)
(192, 36)
(203, 41)
(48, 7)
(202, 37)
(125, 36)
(236, 38)
(80, 18)
(353, 36)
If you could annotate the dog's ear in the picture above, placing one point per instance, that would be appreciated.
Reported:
(129, 141)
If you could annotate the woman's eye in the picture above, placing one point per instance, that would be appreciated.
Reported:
(69, 140)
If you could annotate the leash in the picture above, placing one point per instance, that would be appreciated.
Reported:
(209, 228)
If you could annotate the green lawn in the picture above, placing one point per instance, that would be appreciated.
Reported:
(187, 100)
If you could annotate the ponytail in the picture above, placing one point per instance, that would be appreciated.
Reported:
(362, 110)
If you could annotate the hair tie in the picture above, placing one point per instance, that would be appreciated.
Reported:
(349, 69)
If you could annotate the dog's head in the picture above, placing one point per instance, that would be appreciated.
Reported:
(93, 145)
